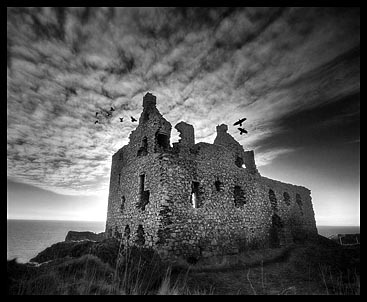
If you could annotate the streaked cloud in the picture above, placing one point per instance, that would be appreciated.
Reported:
(266, 157)
(206, 66)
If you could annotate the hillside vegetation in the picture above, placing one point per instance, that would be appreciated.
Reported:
(319, 266)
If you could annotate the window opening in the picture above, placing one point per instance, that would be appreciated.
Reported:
(195, 194)
(239, 161)
(218, 185)
(162, 141)
(273, 200)
(143, 150)
(143, 194)
(287, 198)
(239, 197)
(127, 232)
(122, 206)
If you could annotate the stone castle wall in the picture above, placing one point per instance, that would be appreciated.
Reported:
(198, 200)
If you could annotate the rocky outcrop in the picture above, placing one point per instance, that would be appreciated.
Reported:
(106, 250)
(78, 236)
(88, 268)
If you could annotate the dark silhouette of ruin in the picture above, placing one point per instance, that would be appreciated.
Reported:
(195, 200)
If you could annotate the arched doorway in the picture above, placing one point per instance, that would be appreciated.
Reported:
(276, 231)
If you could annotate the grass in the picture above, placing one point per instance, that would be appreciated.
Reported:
(318, 267)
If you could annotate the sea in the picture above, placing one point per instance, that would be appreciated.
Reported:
(26, 238)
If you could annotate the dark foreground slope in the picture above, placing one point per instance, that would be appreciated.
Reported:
(314, 267)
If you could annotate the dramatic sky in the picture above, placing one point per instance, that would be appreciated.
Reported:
(293, 72)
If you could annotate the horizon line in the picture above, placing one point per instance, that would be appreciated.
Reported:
(56, 220)
(317, 225)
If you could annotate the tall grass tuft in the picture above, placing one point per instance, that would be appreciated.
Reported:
(340, 283)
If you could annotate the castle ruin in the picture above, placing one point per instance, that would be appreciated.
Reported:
(198, 199)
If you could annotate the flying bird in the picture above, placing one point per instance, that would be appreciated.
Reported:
(239, 122)
(112, 109)
(242, 130)
(121, 119)
(95, 122)
(96, 113)
(133, 119)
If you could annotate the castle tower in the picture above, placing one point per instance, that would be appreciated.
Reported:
(197, 200)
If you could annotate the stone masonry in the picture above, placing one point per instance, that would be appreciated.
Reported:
(199, 200)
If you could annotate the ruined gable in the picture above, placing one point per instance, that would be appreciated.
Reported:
(153, 132)
(241, 157)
